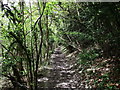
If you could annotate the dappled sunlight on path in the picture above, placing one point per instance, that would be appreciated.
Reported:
(61, 74)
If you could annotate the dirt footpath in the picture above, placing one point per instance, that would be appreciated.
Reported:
(62, 73)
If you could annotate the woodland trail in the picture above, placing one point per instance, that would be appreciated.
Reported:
(61, 74)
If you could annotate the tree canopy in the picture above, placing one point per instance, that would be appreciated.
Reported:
(30, 32)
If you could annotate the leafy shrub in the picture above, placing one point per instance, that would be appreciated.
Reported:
(87, 56)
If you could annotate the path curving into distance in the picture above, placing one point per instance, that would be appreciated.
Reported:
(61, 74)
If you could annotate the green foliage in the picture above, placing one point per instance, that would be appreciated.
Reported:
(106, 83)
(87, 56)
(28, 35)
(92, 23)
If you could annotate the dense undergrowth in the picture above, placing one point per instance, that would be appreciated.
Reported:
(31, 32)
(98, 72)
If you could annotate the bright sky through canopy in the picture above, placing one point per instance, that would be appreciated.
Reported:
(27, 1)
